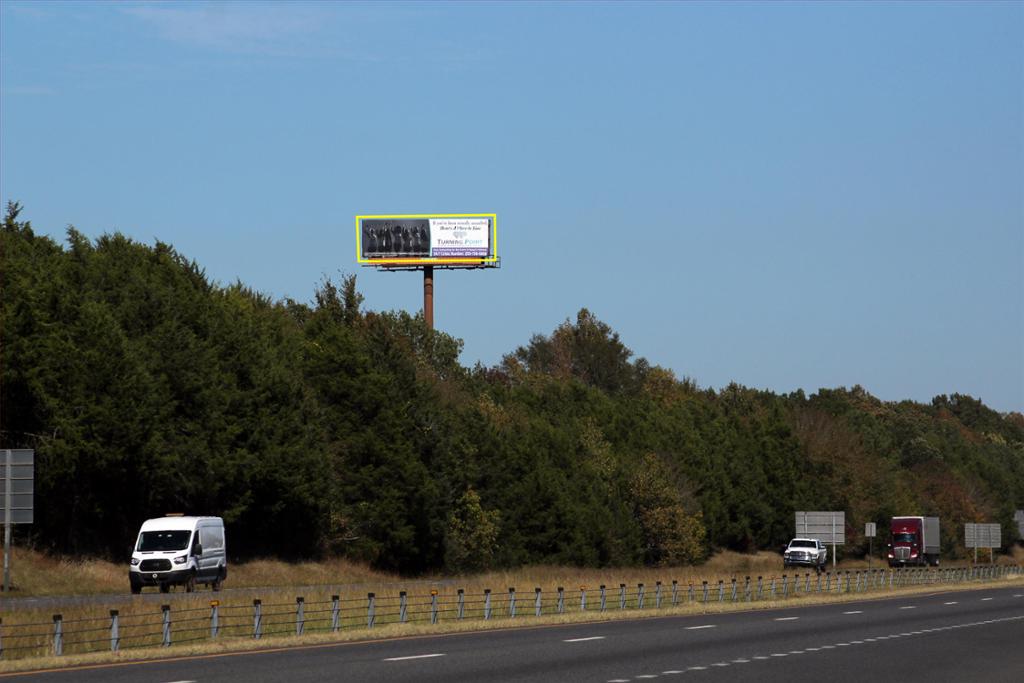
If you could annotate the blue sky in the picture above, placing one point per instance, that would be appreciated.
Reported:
(782, 195)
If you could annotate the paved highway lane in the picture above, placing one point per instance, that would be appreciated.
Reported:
(955, 636)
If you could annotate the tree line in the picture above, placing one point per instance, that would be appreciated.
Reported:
(323, 429)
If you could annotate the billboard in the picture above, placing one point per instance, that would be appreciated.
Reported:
(827, 527)
(447, 239)
(983, 536)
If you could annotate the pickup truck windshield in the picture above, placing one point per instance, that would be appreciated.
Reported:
(904, 538)
(150, 541)
(803, 544)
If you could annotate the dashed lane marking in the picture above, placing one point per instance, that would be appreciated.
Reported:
(741, 661)
(582, 640)
(671, 672)
(855, 611)
(402, 659)
(954, 602)
(786, 618)
(985, 599)
(697, 628)
(909, 607)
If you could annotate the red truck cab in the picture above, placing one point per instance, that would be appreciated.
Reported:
(914, 541)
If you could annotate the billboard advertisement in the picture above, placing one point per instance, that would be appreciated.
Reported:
(454, 239)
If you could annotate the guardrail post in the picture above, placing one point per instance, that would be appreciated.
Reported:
(785, 587)
(433, 606)
(675, 592)
(704, 584)
(167, 625)
(58, 635)
(300, 616)
(772, 591)
(512, 603)
(115, 633)
(335, 612)
(538, 605)
(760, 588)
(604, 599)
(371, 610)
(657, 595)
(807, 583)
(689, 593)
(639, 596)
(403, 607)
(487, 603)
(746, 589)
(257, 619)
(734, 589)
(721, 591)
(214, 619)
(462, 604)
(561, 600)
(622, 596)
(1, 638)
(583, 598)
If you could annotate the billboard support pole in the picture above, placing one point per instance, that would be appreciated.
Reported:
(428, 296)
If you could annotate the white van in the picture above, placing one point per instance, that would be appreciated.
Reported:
(179, 550)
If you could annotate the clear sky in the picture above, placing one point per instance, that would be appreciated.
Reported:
(782, 195)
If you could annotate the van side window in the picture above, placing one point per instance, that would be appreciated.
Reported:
(213, 538)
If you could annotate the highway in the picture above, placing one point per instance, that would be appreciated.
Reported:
(943, 636)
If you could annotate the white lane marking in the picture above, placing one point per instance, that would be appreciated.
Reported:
(796, 652)
(670, 672)
(720, 664)
(1019, 595)
(402, 659)
(842, 644)
(647, 676)
(856, 611)
(697, 668)
(695, 628)
(909, 607)
(813, 649)
(181, 682)
(951, 603)
(741, 661)
(857, 642)
(779, 654)
(786, 618)
(618, 680)
(582, 640)
(760, 657)
(985, 599)
(828, 647)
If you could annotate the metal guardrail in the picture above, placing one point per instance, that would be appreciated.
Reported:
(115, 632)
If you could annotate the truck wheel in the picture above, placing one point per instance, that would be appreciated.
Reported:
(136, 589)
(165, 588)
(215, 586)
(190, 584)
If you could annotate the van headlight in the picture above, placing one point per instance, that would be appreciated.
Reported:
(180, 560)
(135, 561)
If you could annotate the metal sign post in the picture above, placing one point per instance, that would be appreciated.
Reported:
(869, 531)
(17, 503)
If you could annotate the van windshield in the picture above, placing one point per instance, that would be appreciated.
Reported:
(163, 540)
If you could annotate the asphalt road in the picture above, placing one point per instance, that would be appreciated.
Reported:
(951, 636)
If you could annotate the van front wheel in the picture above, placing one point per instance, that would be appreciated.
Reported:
(190, 584)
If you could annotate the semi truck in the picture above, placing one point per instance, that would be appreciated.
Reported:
(914, 541)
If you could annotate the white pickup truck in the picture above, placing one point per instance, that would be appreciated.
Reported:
(805, 552)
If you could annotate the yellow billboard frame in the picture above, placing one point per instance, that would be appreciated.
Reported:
(419, 261)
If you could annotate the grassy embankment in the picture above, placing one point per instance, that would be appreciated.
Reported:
(279, 583)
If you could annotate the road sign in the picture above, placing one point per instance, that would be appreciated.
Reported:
(983, 536)
(827, 527)
(17, 473)
(16, 497)
(869, 530)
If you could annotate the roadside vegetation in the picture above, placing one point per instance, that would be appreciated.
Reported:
(322, 431)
